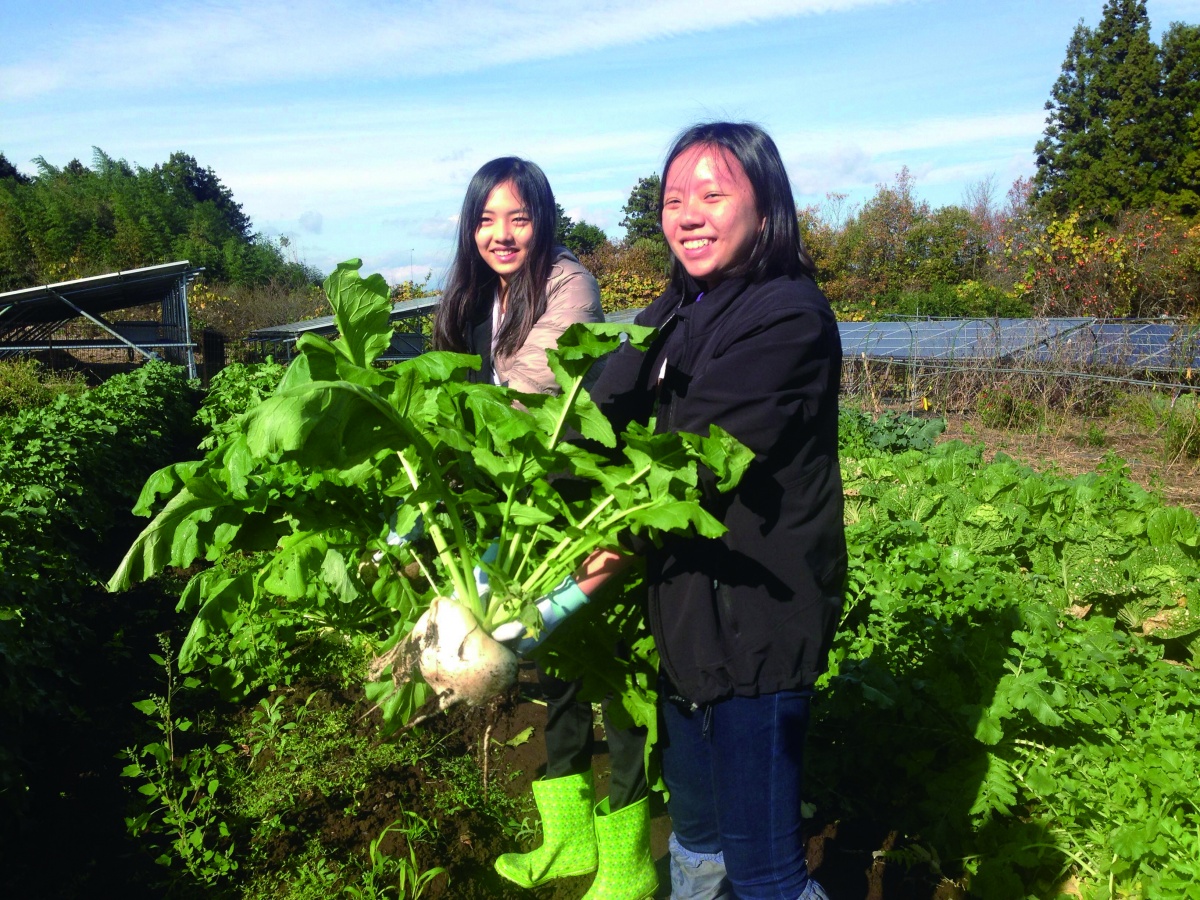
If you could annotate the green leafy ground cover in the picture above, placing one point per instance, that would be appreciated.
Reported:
(68, 471)
(1014, 684)
(1013, 690)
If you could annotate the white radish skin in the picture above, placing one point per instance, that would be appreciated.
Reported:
(457, 658)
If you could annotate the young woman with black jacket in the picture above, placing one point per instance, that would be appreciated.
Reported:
(743, 623)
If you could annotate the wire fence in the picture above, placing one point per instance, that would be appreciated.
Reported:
(956, 362)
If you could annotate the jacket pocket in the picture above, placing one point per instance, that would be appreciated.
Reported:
(727, 609)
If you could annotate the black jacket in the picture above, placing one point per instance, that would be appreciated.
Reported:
(754, 611)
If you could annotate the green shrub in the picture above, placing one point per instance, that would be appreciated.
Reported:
(69, 472)
(861, 434)
(629, 277)
(25, 384)
(1001, 408)
(234, 390)
(1095, 435)
(1139, 409)
(970, 299)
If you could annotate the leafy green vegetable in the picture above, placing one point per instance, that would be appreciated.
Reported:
(1026, 645)
(68, 470)
(301, 493)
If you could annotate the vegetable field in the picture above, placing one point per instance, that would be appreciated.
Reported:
(1012, 709)
(1015, 682)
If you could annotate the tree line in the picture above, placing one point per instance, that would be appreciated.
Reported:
(77, 220)
(1108, 226)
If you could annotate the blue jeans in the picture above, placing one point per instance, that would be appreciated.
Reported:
(734, 772)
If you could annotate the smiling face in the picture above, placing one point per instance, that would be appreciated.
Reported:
(504, 232)
(709, 216)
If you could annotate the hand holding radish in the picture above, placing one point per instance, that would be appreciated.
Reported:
(553, 609)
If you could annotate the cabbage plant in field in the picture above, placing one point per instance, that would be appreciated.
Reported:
(300, 503)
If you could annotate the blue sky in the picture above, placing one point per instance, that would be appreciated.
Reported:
(353, 127)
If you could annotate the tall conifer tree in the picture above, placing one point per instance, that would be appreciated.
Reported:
(642, 215)
(1105, 142)
(1181, 97)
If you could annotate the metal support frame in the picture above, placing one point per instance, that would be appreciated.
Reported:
(99, 321)
(175, 335)
(175, 315)
(281, 345)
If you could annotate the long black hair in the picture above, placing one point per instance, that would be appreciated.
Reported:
(778, 249)
(469, 286)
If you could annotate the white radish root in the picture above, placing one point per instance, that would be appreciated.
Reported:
(455, 656)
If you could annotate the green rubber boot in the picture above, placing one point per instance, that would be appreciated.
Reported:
(568, 837)
(626, 867)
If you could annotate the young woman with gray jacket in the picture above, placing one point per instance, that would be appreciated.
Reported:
(510, 295)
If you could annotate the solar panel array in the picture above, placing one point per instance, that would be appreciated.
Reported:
(1155, 346)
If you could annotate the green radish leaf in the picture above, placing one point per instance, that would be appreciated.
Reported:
(325, 424)
(219, 613)
(441, 365)
(296, 567)
(172, 538)
(680, 517)
(528, 515)
(336, 574)
(582, 344)
(317, 362)
(723, 454)
(163, 482)
(576, 412)
(361, 310)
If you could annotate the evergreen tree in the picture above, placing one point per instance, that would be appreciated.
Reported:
(76, 221)
(17, 265)
(8, 170)
(1129, 85)
(1106, 138)
(642, 215)
(562, 226)
(184, 180)
(584, 237)
(1181, 97)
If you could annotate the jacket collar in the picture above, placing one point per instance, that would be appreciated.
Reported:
(712, 305)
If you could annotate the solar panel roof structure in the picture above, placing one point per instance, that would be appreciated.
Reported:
(280, 340)
(949, 339)
(1161, 345)
(32, 320)
(1158, 346)
(622, 316)
(326, 325)
(1153, 346)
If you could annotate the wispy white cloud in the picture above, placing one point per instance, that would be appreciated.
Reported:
(225, 42)
(397, 274)
(915, 134)
(848, 159)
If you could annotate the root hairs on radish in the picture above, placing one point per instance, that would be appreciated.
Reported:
(455, 656)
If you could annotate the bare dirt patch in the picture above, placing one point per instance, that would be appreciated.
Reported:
(1069, 447)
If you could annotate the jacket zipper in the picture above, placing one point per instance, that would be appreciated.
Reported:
(687, 324)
